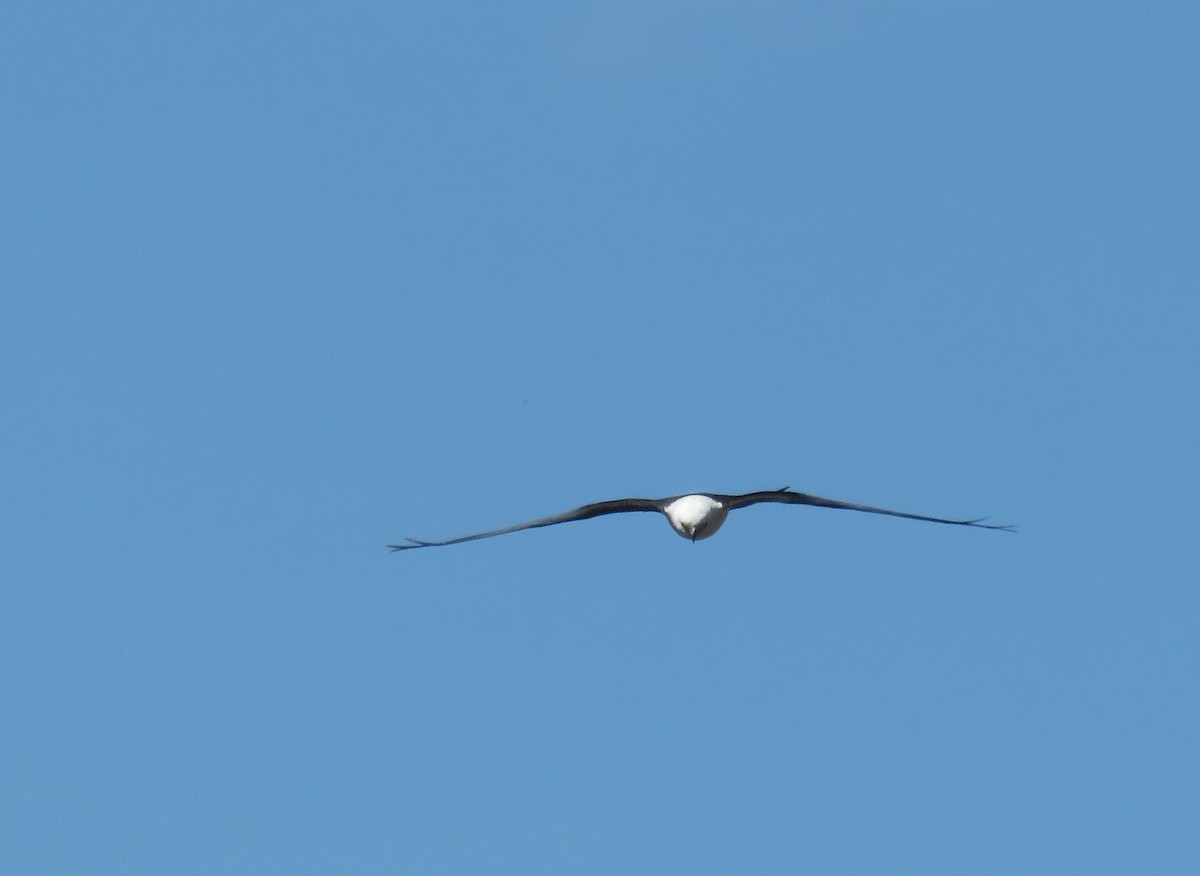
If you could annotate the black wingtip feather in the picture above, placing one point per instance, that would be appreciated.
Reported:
(999, 527)
(416, 543)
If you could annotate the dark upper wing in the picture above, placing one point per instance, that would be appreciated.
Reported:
(791, 497)
(596, 509)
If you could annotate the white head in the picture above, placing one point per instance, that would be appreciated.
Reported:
(696, 517)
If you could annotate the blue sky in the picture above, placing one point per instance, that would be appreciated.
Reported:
(286, 282)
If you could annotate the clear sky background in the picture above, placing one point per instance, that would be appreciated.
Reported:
(284, 282)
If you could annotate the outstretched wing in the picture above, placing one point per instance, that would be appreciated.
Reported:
(586, 512)
(791, 497)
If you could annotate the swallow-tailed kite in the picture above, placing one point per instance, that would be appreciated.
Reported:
(695, 515)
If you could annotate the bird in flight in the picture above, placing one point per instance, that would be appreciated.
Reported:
(694, 516)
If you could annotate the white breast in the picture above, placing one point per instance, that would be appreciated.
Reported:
(696, 517)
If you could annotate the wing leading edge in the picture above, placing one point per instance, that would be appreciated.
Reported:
(787, 496)
(584, 512)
